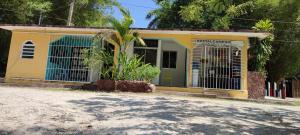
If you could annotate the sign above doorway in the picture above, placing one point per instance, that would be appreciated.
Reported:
(208, 42)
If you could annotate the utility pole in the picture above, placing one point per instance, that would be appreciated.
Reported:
(71, 10)
(40, 18)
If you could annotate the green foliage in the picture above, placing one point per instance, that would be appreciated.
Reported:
(121, 35)
(127, 68)
(148, 72)
(219, 12)
(55, 12)
(264, 25)
(262, 51)
(158, 14)
(39, 5)
(207, 14)
(132, 68)
(21, 11)
(99, 59)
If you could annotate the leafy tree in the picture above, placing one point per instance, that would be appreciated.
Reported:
(55, 12)
(216, 14)
(21, 11)
(86, 12)
(285, 61)
(167, 16)
(159, 14)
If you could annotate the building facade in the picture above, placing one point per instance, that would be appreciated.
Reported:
(189, 60)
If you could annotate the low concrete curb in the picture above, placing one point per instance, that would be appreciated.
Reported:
(202, 95)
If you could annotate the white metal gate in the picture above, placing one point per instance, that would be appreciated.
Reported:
(217, 67)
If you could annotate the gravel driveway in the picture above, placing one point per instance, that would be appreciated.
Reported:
(38, 111)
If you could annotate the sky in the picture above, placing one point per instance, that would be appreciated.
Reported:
(138, 10)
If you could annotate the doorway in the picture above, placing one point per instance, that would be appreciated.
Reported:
(217, 67)
(173, 64)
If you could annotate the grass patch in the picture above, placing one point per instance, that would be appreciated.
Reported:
(297, 103)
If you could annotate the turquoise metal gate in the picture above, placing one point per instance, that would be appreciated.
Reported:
(64, 58)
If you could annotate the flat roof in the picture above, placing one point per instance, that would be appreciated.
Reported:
(93, 30)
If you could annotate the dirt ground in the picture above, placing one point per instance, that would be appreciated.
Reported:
(41, 111)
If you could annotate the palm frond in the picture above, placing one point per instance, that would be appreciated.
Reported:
(108, 36)
(138, 39)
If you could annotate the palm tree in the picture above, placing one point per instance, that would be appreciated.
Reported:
(121, 35)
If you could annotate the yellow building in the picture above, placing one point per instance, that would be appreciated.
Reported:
(189, 60)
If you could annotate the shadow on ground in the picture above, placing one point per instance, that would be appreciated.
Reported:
(131, 115)
(163, 116)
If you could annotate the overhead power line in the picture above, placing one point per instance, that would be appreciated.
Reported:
(141, 6)
(285, 41)
(298, 23)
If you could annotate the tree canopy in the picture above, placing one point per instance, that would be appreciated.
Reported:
(55, 12)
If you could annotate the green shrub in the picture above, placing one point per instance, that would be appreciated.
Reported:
(128, 68)
(132, 68)
(99, 59)
(148, 72)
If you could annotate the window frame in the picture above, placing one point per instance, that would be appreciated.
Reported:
(33, 49)
(169, 61)
(145, 48)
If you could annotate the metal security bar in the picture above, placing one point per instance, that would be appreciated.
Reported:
(217, 67)
(64, 58)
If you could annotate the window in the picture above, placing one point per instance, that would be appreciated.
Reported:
(28, 50)
(147, 56)
(147, 53)
(169, 59)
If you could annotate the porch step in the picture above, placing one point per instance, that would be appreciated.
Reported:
(191, 94)
(217, 94)
(204, 95)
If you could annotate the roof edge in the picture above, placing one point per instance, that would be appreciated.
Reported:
(135, 28)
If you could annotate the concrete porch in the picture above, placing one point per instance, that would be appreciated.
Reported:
(223, 93)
